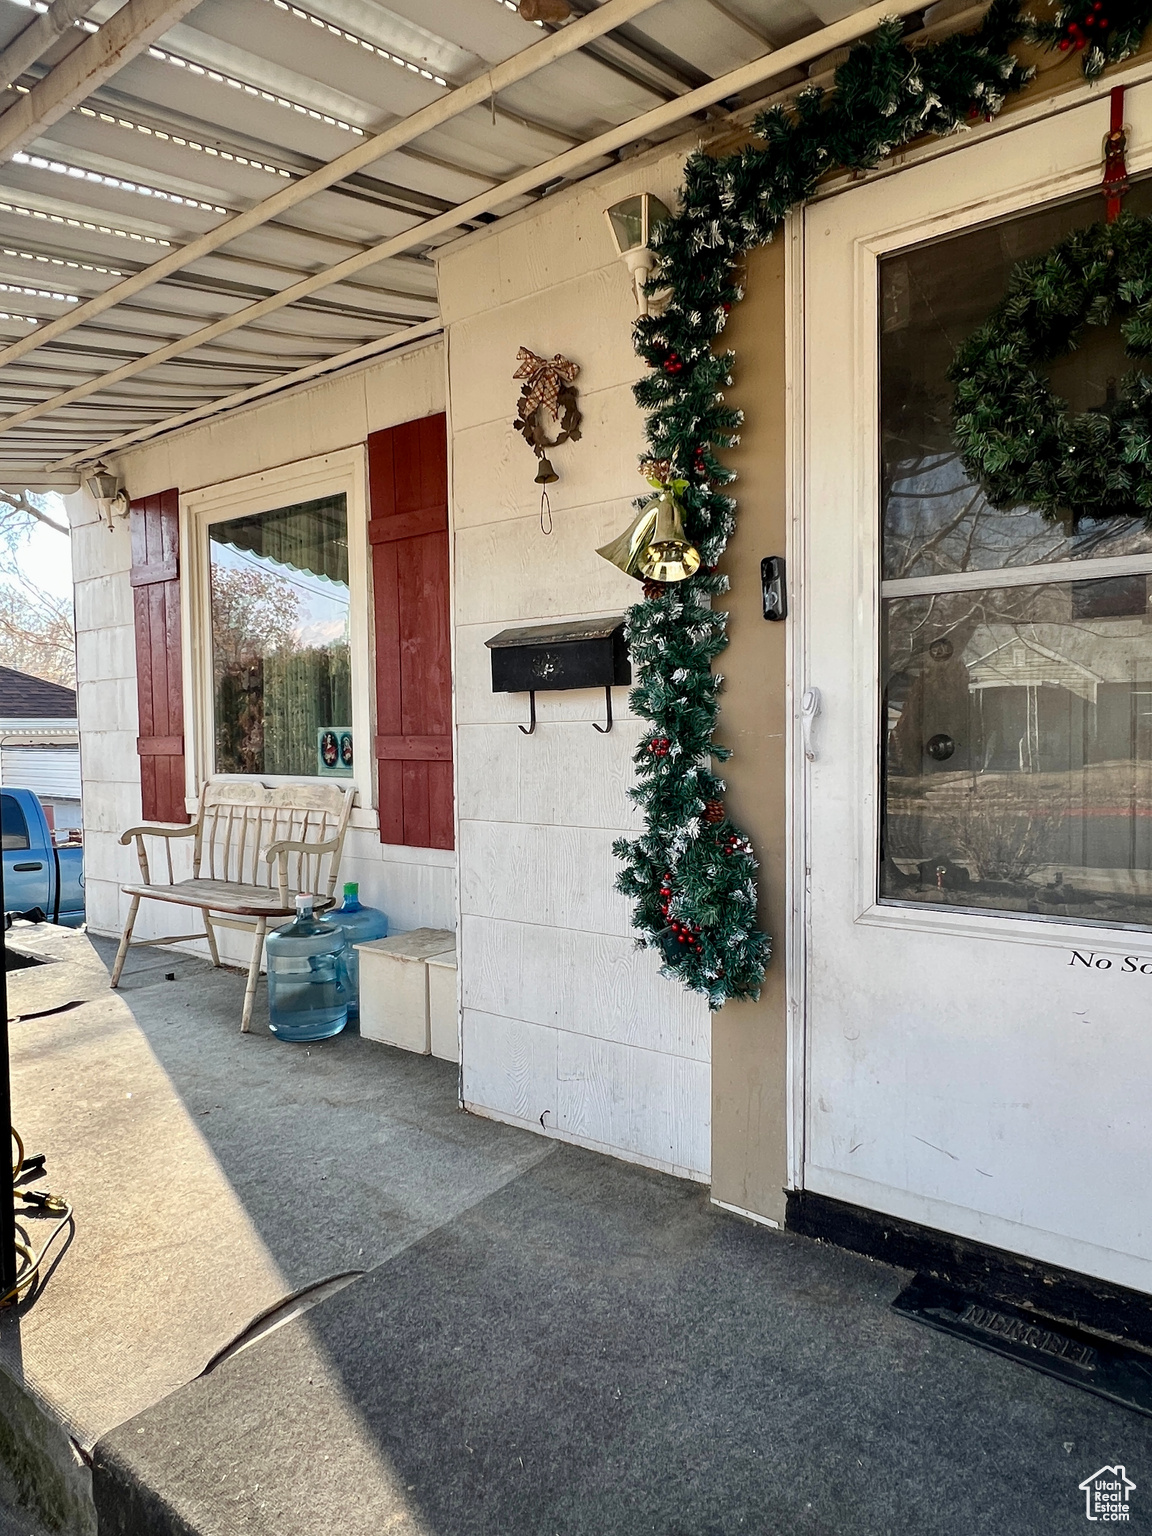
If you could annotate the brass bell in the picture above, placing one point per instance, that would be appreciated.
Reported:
(655, 546)
(669, 556)
(545, 474)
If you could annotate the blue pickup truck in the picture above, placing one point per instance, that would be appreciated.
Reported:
(42, 880)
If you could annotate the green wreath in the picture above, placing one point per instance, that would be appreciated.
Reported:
(1014, 434)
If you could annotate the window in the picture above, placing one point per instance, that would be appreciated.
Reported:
(281, 643)
(13, 827)
(1016, 720)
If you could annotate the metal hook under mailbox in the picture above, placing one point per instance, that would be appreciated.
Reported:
(604, 729)
(528, 729)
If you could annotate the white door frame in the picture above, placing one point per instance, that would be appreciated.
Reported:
(1022, 188)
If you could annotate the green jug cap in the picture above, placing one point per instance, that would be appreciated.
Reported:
(352, 888)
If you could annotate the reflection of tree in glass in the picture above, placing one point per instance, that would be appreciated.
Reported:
(937, 521)
(254, 613)
(999, 827)
(254, 617)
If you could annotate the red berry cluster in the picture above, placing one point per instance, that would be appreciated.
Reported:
(1090, 28)
(734, 843)
(699, 463)
(673, 363)
(687, 934)
(658, 746)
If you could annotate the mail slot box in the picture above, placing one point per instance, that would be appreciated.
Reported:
(583, 653)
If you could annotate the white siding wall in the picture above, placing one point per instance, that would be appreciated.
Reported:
(565, 1024)
(414, 886)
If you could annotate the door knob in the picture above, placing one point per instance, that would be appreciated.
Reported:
(940, 747)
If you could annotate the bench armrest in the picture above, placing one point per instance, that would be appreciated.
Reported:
(282, 849)
(164, 829)
(158, 829)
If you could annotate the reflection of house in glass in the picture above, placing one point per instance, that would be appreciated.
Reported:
(1043, 697)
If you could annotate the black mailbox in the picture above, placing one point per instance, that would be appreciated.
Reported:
(582, 653)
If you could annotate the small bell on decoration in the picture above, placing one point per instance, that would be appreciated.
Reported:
(655, 547)
(545, 474)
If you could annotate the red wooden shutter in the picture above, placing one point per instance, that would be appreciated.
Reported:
(408, 531)
(154, 523)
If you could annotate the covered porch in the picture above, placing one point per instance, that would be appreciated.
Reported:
(306, 1293)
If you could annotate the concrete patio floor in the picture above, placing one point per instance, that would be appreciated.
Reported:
(540, 1341)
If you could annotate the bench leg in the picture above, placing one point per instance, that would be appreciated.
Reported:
(125, 940)
(210, 935)
(253, 973)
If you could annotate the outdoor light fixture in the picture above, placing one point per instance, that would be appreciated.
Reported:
(107, 490)
(633, 223)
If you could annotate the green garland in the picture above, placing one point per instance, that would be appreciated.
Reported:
(1013, 433)
(1104, 31)
(691, 874)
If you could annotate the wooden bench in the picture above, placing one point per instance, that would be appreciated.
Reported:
(256, 847)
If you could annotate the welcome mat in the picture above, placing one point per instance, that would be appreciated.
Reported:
(1070, 1354)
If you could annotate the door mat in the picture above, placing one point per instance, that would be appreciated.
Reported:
(1070, 1354)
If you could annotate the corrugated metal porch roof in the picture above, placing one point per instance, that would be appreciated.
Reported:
(238, 100)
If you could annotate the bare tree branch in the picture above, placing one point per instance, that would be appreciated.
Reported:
(19, 501)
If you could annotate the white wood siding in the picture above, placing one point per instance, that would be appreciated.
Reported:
(567, 1027)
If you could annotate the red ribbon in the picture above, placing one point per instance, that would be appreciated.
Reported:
(1115, 182)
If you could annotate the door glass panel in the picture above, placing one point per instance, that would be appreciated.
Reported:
(1018, 750)
(935, 519)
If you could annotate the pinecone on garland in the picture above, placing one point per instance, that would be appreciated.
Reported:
(713, 813)
(654, 589)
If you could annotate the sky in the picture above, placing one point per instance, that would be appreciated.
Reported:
(45, 559)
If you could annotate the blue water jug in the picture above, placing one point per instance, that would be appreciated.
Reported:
(307, 979)
(359, 923)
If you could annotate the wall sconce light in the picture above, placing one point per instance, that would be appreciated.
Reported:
(632, 224)
(103, 486)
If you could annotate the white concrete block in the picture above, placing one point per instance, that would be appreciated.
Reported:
(502, 579)
(443, 1006)
(559, 877)
(394, 987)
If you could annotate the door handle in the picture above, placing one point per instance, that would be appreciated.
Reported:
(20, 869)
(809, 709)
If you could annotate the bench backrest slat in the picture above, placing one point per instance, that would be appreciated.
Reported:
(238, 821)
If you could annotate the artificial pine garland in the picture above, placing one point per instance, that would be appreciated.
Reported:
(1105, 31)
(691, 873)
(1015, 436)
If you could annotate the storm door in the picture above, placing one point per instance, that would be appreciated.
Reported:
(978, 776)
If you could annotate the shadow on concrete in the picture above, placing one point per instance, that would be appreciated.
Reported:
(582, 1349)
(342, 1152)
